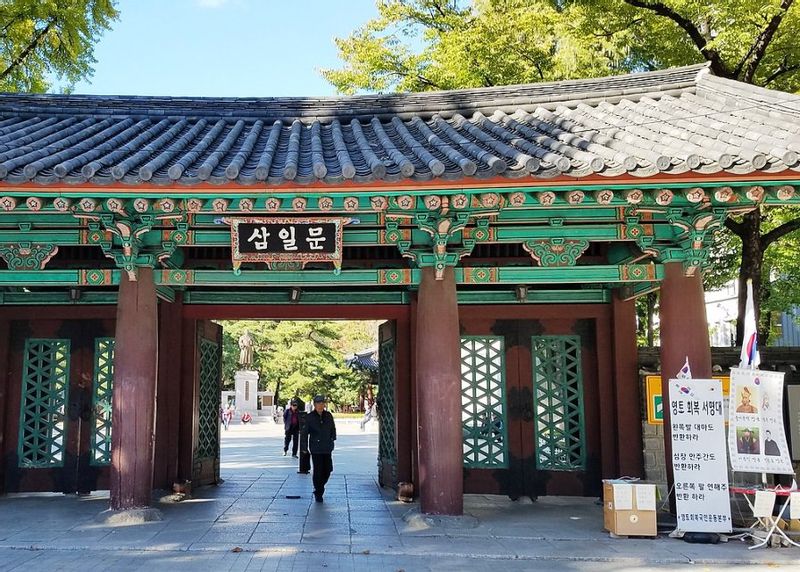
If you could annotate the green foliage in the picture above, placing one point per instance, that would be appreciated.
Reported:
(43, 40)
(724, 258)
(418, 45)
(302, 359)
(781, 270)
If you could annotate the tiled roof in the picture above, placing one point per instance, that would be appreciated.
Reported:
(671, 121)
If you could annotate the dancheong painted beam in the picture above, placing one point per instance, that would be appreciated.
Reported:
(596, 274)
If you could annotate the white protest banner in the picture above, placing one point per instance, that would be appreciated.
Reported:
(756, 437)
(699, 462)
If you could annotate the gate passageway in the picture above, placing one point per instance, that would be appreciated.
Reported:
(256, 449)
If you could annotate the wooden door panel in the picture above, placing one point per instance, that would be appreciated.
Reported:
(208, 356)
(521, 474)
(49, 406)
(387, 404)
(570, 410)
(490, 385)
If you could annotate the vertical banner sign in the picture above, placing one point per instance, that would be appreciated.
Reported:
(699, 462)
(756, 437)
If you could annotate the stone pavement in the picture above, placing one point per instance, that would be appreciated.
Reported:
(254, 521)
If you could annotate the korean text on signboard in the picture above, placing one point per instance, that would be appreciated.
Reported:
(655, 401)
(699, 461)
(300, 240)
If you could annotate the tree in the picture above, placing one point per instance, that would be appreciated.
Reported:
(43, 40)
(418, 45)
(300, 358)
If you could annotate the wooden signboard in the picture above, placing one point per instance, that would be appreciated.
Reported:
(286, 240)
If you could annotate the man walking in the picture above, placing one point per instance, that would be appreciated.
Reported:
(321, 435)
(291, 428)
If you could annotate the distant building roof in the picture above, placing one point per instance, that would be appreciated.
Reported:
(365, 360)
(673, 121)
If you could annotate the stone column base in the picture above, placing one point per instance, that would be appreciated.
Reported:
(129, 517)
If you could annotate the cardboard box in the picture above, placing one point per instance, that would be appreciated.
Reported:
(629, 508)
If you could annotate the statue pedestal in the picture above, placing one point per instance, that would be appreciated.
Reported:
(246, 382)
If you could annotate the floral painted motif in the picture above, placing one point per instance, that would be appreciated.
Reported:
(547, 198)
(35, 203)
(634, 196)
(194, 205)
(220, 205)
(575, 197)
(432, 202)
(351, 204)
(379, 203)
(27, 256)
(141, 205)
(299, 204)
(556, 251)
(664, 197)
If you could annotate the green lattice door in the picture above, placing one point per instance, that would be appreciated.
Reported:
(559, 432)
(524, 401)
(44, 417)
(209, 375)
(61, 390)
(387, 371)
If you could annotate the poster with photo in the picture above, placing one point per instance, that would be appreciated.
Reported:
(756, 437)
(699, 461)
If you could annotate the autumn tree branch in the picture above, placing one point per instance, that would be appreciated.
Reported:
(782, 69)
(759, 48)
(779, 232)
(736, 228)
(710, 54)
(22, 56)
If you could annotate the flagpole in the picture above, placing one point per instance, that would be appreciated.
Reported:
(750, 357)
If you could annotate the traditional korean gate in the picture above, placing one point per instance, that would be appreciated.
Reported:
(60, 404)
(524, 411)
(387, 374)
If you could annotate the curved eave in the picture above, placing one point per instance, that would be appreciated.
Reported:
(562, 182)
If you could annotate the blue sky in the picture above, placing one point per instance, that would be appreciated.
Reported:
(223, 47)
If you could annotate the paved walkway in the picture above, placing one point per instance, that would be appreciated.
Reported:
(254, 521)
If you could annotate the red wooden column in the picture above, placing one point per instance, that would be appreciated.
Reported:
(5, 381)
(684, 333)
(438, 381)
(134, 400)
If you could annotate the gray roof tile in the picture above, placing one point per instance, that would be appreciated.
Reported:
(671, 121)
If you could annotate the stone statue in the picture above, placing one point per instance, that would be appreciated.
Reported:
(246, 350)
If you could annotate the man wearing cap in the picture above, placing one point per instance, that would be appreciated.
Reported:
(321, 435)
(291, 427)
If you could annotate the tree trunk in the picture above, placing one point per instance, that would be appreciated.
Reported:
(651, 308)
(277, 393)
(750, 269)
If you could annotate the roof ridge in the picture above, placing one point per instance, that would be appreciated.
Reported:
(446, 102)
(748, 91)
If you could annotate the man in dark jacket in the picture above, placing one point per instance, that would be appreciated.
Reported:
(291, 427)
(321, 435)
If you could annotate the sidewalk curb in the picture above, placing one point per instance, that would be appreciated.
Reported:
(678, 559)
